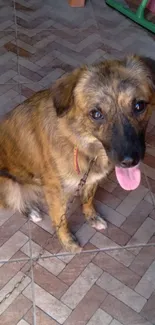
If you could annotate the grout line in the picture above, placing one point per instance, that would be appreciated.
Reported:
(16, 40)
(97, 25)
(32, 274)
(63, 254)
(94, 18)
(149, 187)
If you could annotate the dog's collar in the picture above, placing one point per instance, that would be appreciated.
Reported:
(76, 165)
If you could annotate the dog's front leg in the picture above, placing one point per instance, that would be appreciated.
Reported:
(92, 217)
(57, 204)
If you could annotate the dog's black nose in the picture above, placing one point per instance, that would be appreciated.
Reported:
(127, 162)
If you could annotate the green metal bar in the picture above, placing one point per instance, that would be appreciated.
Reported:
(141, 8)
(137, 17)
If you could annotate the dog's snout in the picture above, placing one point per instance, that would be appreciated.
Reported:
(128, 162)
(127, 145)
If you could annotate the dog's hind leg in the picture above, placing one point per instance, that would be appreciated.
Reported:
(34, 210)
(27, 199)
(3, 203)
(34, 206)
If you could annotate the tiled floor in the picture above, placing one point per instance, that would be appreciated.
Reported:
(40, 40)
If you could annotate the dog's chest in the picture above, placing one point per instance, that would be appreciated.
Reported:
(96, 173)
(71, 184)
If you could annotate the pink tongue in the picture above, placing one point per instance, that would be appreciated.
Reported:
(128, 178)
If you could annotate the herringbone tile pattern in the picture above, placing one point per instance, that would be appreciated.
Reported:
(39, 42)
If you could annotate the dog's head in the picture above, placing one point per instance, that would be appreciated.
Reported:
(109, 104)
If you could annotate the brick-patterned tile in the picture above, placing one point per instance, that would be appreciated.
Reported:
(143, 234)
(120, 193)
(121, 255)
(49, 282)
(150, 197)
(148, 310)
(115, 322)
(48, 303)
(12, 100)
(121, 312)
(116, 234)
(39, 235)
(12, 245)
(9, 95)
(84, 234)
(55, 267)
(137, 217)
(132, 200)
(112, 176)
(4, 216)
(10, 227)
(7, 15)
(66, 258)
(149, 160)
(121, 291)
(152, 214)
(81, 285)
(116, 269)
(8, 76)
(5, 303)
(62, 13)
(8, 68)
(76, 266)
(8, 270)
(26, 92)
(107, 198)
(144, 180)
(152, 183)
(87, 307)
(76, 219)
(110, 214)
(41, 318)
(148, 171)
(146, 285)
(108, 185)
(100, 317)
(151, 138)
(53, 245)
(43, 237)
(16, 310)
(22, 322)
(144, 259)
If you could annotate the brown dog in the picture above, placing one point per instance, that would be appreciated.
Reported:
(96, 113)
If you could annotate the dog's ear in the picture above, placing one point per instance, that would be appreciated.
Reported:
(63, 92)
(140, 64)
(150, 64)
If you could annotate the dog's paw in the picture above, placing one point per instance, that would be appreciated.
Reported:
(71, 244)
(97, 222)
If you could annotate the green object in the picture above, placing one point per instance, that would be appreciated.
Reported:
(137, 17)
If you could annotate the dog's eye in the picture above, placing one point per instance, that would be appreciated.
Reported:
(96, 115)
(139, 107)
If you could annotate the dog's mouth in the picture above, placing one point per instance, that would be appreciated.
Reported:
(128, 178)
